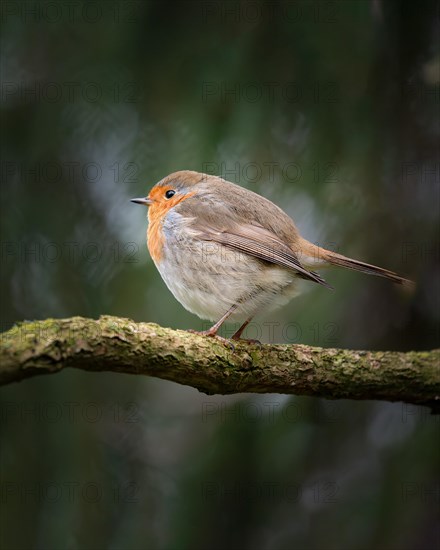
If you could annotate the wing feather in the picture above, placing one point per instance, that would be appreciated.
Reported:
(262, 244)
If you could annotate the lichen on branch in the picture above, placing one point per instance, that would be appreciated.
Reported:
(123, 346)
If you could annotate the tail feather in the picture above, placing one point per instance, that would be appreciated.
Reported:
(349, 263)
(339, 260)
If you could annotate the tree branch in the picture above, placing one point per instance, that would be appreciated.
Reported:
(121, 345)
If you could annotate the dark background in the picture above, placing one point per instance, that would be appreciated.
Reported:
(330, 109)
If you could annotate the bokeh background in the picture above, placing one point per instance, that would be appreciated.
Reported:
(330, 109)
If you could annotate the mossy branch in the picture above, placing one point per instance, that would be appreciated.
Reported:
(123, 346)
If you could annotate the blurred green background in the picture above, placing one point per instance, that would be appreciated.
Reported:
(331, 109)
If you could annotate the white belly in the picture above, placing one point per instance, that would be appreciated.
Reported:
(208, 281)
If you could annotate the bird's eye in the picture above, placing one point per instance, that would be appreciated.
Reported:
(170, 193)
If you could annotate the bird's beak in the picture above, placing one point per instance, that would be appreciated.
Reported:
(146, 201)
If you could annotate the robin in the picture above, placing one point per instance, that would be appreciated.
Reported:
(226, 253)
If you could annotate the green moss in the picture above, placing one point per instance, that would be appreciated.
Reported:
(212, 367)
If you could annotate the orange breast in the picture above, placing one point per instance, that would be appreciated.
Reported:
(156, 214)
(155, 237)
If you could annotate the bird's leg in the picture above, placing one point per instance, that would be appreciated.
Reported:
(237, 335)
(214, 329)
(239, 332)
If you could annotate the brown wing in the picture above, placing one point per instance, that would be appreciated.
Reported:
(216, 221)
(260, 243)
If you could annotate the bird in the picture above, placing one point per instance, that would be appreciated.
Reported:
(228, 254)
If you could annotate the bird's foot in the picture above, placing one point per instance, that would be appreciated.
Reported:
(213, 334)
(250, 341)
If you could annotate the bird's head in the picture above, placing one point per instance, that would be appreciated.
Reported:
(173, 189)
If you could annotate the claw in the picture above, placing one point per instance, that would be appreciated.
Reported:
(249, 341)
(212, 334)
